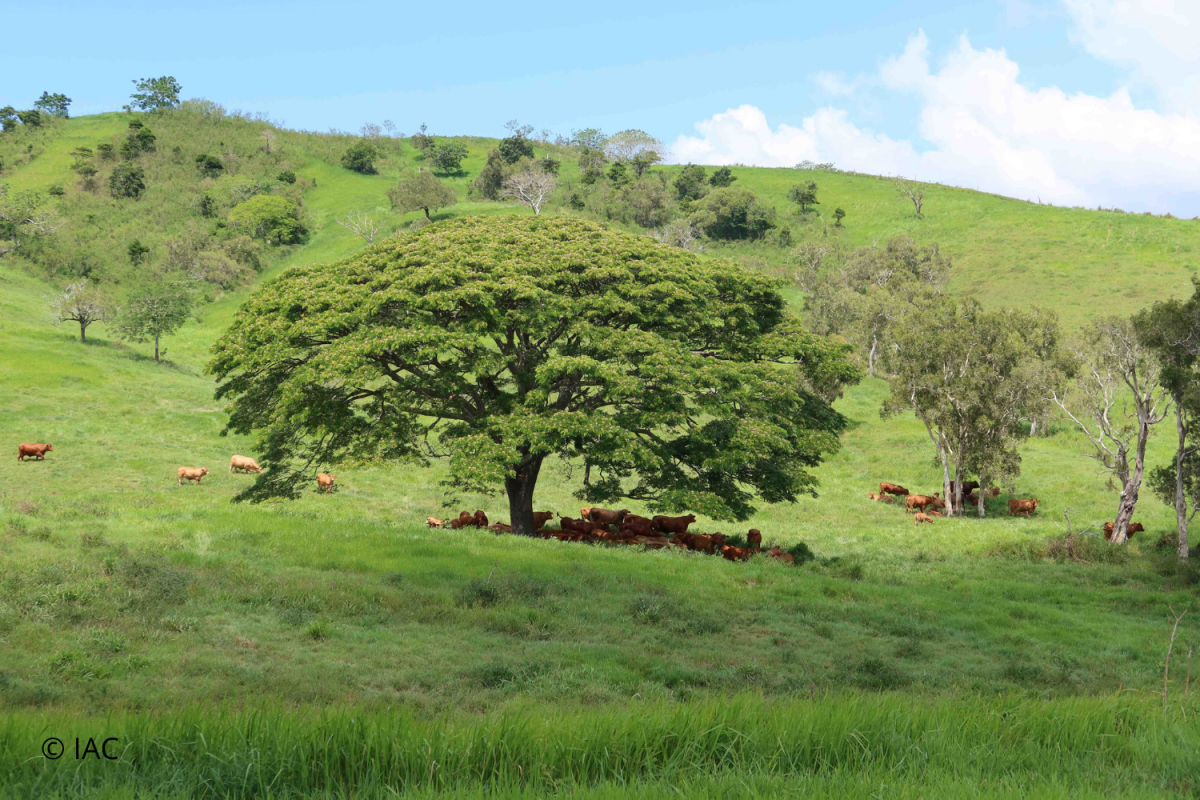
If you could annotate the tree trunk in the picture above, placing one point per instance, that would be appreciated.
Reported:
(871, 357)
(1181, 515)
(520, 498)
(982, 494)
(426, 210)
(83, 333)
(1129, 494)
(945, 477)
(957, 500)
(156, 348)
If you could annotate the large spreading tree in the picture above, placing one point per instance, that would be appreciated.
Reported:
(500, 342)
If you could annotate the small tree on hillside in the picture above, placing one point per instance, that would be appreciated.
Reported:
(515, 148)
(721, 177)
(155, 310)
(804, 195)
(361, 224)
(422, 191)
(732, 214)
(421, 140)
(127, 180)
(1115, 397)
(690, 183)
(360, 157)
(25, 217)
(838, 216)
(156, 94)
(137, 252)
(489, 341)
(632, 144)
(912, 190)
(530, 188)
(53, 104)
(447, 157)
(82, 303)
(274, 219)
(209, 166)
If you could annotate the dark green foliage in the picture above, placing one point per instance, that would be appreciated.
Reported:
(689, 183)
(209, 166)
(287, 176)
(732, 214)
(838, 216)
(285, 373)
(127, 180)
(275, 220)
(137, 252)
(8, 119)
(420, 140)
(804, 195)
(156, 94)
(140, 140)
(802, 553)
(56, 190)
(591, 165)
(576, 201)
(648, 202)
(207, 205)
(105, 151)
(32, 117)
(360, 157)
(721, 177)
(642, 162)
(155, 310)
(618, 174)
(514, 148)
(53, 104)
(447, 157)
(490, 181)
(549, 164)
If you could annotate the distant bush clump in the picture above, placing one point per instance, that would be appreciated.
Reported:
(360, 157)
(209, 166)
(735, 214)
(275, 220)
(127, 180)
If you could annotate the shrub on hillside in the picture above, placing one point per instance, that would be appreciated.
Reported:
(127, 180)
(209, 166)
(734, 214)
(275, 220)
(360, 157)
(490, 181)
(514, 148)
(447, 157)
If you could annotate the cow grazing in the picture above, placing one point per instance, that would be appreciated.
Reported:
(191, 474)
(434, 522)
(606, 517)
(916, 502)
(731, 553)
(243, 464)
(325, 482)
(673, 524)
(1134, 527)
(540, 518)
(892, 488)
(918, 518)
(480, 520)
(1018, 508)
(34, 451)
(754, 538)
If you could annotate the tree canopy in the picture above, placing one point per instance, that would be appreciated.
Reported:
(422, 191)
(271, 218)
(55, 105)
(497, 342)
(156, 94)
(730, 213)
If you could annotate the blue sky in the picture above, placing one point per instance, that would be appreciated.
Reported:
(664, 67)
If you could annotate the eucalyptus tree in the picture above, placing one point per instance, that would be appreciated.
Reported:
(499, 342)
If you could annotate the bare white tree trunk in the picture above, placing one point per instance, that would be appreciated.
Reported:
(1181, 513)
(871, 357)
(1133, 485)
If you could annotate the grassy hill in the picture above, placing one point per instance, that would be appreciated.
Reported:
(122, 592)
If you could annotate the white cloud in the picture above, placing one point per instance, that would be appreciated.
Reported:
(986, 130)
(1156, 39)
(833, 83)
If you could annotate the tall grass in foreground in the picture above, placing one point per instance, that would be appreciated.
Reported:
(834, 746)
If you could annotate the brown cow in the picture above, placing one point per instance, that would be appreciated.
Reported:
(34, 451)
(892, 488)
(191, 474)
(540, 518)
(639, 528)
(918, 518)
(640, 520)
(1021, 507)
(653, 542)
(480, 520)
(968, 486)
(994, 491)
(243, 464)
(754, 538)
(777, 553)
(919, 501)
(325, 482)
(673, 524)
(455, 524)
(718, 538)
(500, 527)
(1134, 527)
(580, 526)
(606, 517)
(434, 522)
(737, 553)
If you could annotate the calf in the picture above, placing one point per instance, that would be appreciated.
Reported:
(500, 527)
(325, 482)
(892, 488)
(737, 553)
(34, 451)
(918, 518)
(434, 522)
(673, 524)
(754, 538)
(243, 464)
(1134, 527)
(1018, 508)
(777, 553)
(191, 474)
(480, 520)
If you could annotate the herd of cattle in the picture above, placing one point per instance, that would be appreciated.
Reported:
(929, 506)
(623, 527)
(601, 525)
